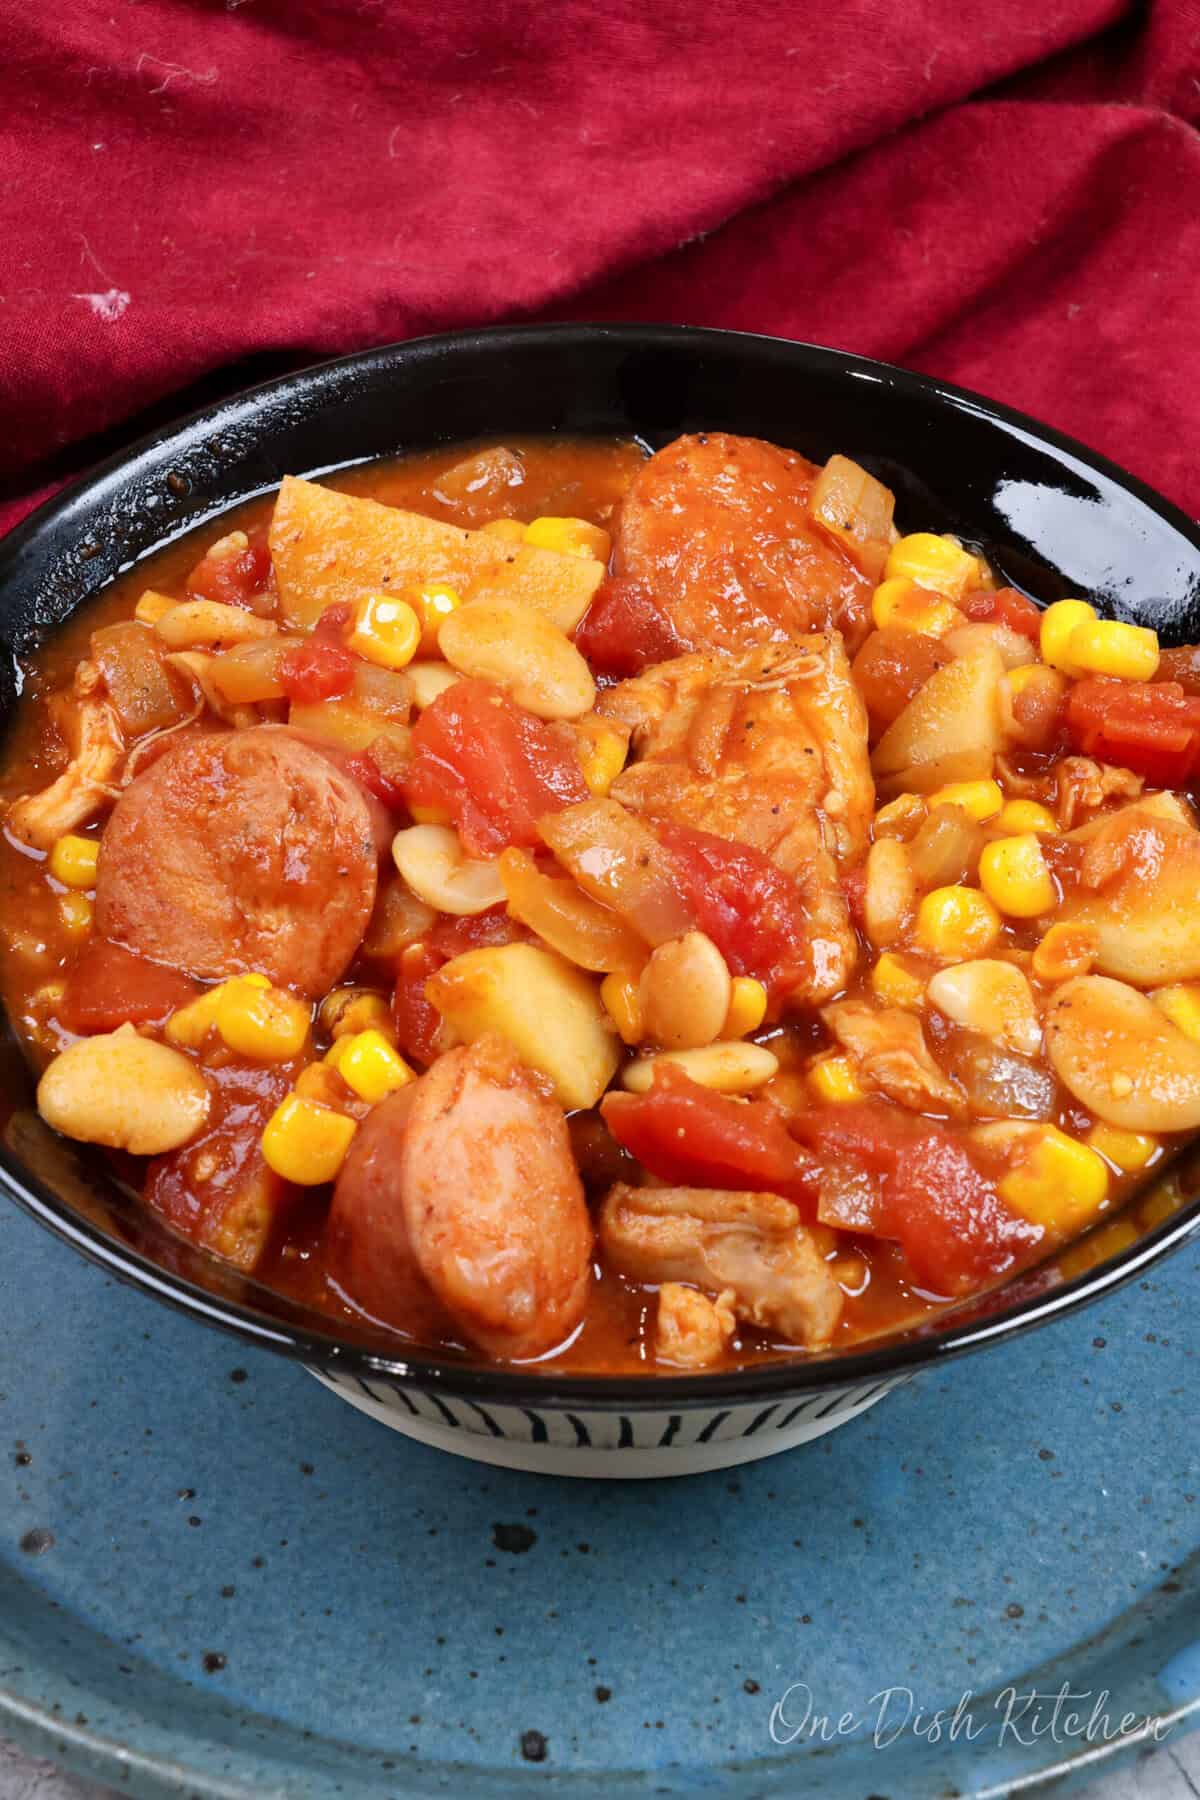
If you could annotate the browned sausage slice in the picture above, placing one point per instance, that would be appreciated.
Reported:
(239, 851)
(461, 1195)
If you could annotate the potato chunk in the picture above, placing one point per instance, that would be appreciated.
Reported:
(329, 547)
(949, 731)
(547, 1010)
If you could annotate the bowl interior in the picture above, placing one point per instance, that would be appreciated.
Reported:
(1052, 518)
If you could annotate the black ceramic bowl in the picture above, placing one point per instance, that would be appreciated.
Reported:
(1051, 517)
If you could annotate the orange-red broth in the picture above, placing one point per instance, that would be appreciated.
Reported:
(579, 478)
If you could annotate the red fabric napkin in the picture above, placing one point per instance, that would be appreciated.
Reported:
(1006, 195)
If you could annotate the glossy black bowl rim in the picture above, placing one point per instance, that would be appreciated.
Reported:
(524, 1386)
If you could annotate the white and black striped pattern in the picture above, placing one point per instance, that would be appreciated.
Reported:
(646, 1440)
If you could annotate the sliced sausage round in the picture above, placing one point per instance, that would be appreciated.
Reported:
(460, 1197)
(240, 851)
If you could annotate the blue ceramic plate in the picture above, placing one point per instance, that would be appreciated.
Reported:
(217, 1580)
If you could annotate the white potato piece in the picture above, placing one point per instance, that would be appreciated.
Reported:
(429, 681)
(125, 1092)
(1146, 921)
(329, 547)
(506, 642)
(991, 997)
(1121, 1056)
(433, 862)
(953, 719)
(548, 1010)
(890, 893)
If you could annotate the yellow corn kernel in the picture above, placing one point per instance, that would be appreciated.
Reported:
(900, 818)
(1064, 951)
(957, 923)
(1128, 1151)
(833, 1078)
(895, 984)
(509, 531)
(371, 1067)
(191, 1024)
(1108, 647)
(623, 1006)
(933, 562)
(75, 913)
(903, 605)
(1014, 875)
(73, 861)
(386, 631)
(979, 799)
(1059, 625)
(1019, 816)
(602, 753)
(433, 602)
(259, 1021)
(1059, 1183)
(151, 607)
(1181, 1003)
(306, 1142)
(570, 537)
(350, 1010)
(747, 1007)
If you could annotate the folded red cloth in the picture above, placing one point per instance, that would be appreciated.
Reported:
(1005, 195)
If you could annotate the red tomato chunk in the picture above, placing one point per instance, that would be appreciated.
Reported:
(1005, 607)
(491, 766)
(235, 580)
(418, 1022)
(318, 670)
(932, 1200)
(751, 910)
(1151, 727)
(688, 1134)
(110, 986)
(624, 631)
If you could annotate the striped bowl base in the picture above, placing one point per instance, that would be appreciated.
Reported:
(640, 1444)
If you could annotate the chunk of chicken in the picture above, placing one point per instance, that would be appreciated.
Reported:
(716, 535)
(691, 1331)
(751, 1244)
(888, 1049)
(1082, 786)
(768, 748)
(85, 785)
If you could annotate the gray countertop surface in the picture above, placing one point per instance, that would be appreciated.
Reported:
(1170, 1772)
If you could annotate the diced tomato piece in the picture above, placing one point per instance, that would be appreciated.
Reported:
(751, 910)
(947, 1218)
(1005, 607)
(889, 669)
(237, 580)
(418, 1022)
(332, 622)
(110, 986)
(624, 630)
(854, 887)
(452, 936)
(491, 766)
(1151, 727)
(317, 670)
(364, 767)
(1181, 664)
(688, 1134)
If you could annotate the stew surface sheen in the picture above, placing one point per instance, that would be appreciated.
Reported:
(682, 921)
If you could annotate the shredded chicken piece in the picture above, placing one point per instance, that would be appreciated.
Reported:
(752, 1245)
(889, 1051)
(769, 748)
(85, 785)
(1083, 786)
(691, 1330)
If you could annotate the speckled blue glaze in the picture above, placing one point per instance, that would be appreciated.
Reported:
(1028, 1514)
